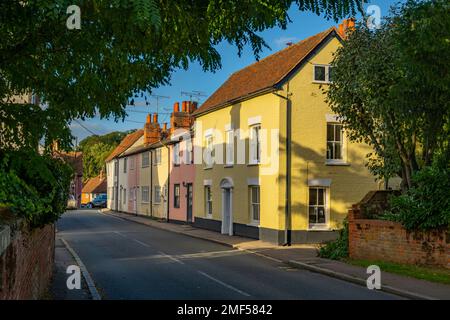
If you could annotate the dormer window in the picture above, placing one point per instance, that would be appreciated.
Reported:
(322, 73)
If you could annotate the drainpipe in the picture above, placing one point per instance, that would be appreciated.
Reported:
(287, 205)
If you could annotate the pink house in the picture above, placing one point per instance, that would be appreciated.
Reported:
(181, 163)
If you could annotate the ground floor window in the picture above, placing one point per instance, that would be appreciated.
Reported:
(124, 195)
(176, 196)
(317, 205)
(145, 194)
(208, 201)
(157, 194)
(254, 203)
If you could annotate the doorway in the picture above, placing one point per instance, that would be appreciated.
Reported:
(227, 206)
(189, 202)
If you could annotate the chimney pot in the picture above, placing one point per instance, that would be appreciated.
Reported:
(155, 118)
(184, 106)
(149, 119)
(165, 126)
(176, 107)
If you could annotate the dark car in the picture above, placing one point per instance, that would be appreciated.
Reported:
(98, 202)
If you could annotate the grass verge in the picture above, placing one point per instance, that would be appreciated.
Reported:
(418, 272)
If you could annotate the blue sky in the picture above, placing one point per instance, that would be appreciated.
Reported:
(304, 24)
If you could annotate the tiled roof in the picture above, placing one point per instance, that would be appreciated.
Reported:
(264, 74)
(125, 144)
(74, 159)
(95, 185)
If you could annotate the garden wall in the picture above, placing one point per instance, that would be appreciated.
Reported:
(26, 260)
(371, 239)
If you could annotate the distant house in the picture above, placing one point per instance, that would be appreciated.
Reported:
(93, 188)
(75, 160)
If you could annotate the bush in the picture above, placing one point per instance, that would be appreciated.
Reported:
(337, 249)
(427, 204)
(33, 186)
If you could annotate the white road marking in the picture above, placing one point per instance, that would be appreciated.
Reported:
(90, 283)
(171, 257)
(142, 243)
(224, 284)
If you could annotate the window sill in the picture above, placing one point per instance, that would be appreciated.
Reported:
(228, 166)
(207, 168)
(209, 216)
(251, 164)
(253, 224)
(337, 163)
(321, 82)
(319, 228)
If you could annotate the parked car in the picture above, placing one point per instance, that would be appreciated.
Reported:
(72, 203)
(98, 202)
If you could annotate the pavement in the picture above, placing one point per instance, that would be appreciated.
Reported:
(304, 257)
(129, 260)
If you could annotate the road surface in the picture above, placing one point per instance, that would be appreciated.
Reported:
(127, 260)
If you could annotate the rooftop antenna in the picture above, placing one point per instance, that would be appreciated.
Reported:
(196, 94)
(158, 97)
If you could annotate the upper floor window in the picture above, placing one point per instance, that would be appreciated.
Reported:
(255, 144)
(125, 165)
(229, 147)
(322, 73)
(145, 160)
(157, 156)
(176, 154)
(209, 145)
(334, 141)
(132, 163)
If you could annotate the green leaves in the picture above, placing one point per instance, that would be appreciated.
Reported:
(392, 87)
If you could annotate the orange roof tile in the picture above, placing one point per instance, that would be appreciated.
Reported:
(95, 185)
(264, 74)
(125, 144)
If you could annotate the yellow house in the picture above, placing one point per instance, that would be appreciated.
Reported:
(272, 160)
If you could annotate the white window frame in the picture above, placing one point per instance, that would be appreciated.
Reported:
(209, 146)
(255, 202)
(158, 156)
(326, 206)
(255, 144)
(176, 154)
(158, 191)
(176, 187)
(145, 194)
(330, 160)
(327, 73)
(145, 156)
(208, 201)
(229, 148)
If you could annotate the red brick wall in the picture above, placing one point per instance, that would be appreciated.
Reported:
(389, 241)
(26, 265)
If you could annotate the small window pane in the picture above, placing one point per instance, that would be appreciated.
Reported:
(320, 215)
(321, 197)
(312, 215)
(319, 73)
(312, 196)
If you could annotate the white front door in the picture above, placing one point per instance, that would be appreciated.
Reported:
(227, 216)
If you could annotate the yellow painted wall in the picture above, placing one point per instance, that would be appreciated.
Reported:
(266, 107)
(144, 181)
(349, 183)
(160, 177)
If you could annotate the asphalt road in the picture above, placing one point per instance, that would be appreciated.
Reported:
(131, 261)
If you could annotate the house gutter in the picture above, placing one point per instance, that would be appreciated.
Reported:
(287, 204)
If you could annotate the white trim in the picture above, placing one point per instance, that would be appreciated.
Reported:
(327, 67)
(253, 181)
(207, 182)
(319, 183)
(229, 127)
(208, 132)
(336, 162)
(332, 118)
(254, 120)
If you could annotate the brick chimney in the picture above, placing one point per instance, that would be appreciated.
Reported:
(152, 130)
(182, 119)
(346, 26)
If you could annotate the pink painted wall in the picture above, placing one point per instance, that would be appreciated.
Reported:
(133, 182)
(179, 174)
